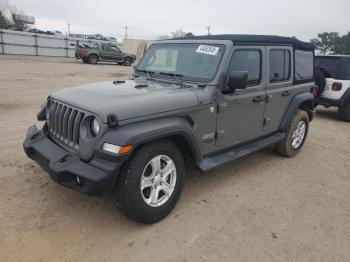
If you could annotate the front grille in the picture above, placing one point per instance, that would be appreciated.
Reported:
(64, 123)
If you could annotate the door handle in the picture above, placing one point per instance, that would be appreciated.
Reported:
(259, 99)
(286, 93)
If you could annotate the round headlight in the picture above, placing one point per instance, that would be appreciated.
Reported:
(95, 126)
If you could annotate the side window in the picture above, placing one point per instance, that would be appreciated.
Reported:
(279, 65)
(250, 61)
(114, 48)
(304, 65)
(105, 48)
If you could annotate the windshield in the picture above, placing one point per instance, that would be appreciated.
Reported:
(193, 62)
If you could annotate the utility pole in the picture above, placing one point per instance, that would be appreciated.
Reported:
(126, 32)
(68, 28)
(208, 28)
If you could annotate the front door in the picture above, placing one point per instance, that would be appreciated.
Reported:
(117, 54)
(108, 53)
(241, 114)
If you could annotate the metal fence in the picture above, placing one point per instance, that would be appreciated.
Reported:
(24, 43)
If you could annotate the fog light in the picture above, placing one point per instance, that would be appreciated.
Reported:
(115, 149)
(78, 180)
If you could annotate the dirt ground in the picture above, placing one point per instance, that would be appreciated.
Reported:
(260, 208)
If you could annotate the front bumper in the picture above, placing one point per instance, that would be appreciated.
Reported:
(94, 177)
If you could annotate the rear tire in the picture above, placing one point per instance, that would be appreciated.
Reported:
(93, 59)
(320, 81)
(344, 111)
(151, 183)
(296, 135)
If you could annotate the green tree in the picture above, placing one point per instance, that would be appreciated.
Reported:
(4, 24)
(326, 42)
(342, 45)
(189, 34)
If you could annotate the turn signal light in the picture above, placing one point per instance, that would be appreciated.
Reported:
(115, 149)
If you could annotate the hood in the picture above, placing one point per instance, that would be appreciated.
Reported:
(128, 99)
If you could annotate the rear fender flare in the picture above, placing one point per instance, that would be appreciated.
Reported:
(346, 96)
(293, 107)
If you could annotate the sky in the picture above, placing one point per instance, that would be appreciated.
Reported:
(151, 18)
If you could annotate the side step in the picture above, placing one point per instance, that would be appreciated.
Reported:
(225, 157)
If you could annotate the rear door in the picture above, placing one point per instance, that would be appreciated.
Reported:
(279, 85)
(240, 114)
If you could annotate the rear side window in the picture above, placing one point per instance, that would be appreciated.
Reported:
(304, 65)
(279, 65)
(329, 66)
(250, 61)
(105, 47)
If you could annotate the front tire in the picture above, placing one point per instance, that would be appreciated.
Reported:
(151, 182)
(127, 61)
(296, 135)
(344, 111)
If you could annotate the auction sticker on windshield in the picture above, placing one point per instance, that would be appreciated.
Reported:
(207, 49)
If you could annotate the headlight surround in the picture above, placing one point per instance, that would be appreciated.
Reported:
(48, 110)
(95, 126)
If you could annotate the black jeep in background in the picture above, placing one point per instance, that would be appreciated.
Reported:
(92, 53)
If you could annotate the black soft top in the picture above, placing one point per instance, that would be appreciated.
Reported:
(258, 39)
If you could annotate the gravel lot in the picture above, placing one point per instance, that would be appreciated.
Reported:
(260, 208)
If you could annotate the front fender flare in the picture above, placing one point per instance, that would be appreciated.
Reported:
(142, 132)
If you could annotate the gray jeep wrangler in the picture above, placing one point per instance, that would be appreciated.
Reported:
(208, 100)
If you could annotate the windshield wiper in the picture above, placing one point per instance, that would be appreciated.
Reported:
(149, 73)
(176, 76)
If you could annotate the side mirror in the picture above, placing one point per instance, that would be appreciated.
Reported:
(237, 80)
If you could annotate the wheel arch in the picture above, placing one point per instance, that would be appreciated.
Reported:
(303, 101)
(307, 106)
(177, 130)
